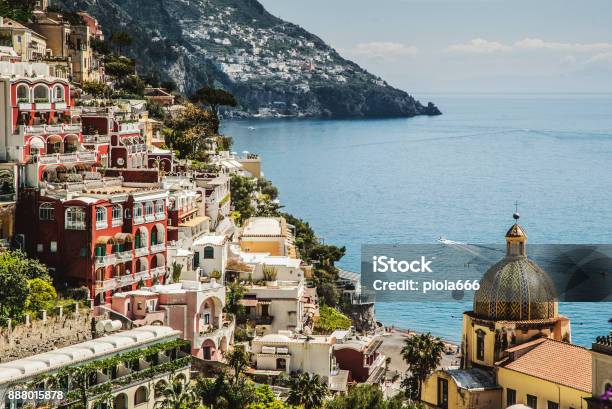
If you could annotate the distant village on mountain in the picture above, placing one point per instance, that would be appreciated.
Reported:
(274, 68)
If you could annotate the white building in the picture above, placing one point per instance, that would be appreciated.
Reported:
(274, 354)
(128, 390)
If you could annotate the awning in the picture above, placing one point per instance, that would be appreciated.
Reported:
(123, 237)
(248, 303)
(37, 143)
(105, 240)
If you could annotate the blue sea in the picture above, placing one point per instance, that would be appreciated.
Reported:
(457, 175)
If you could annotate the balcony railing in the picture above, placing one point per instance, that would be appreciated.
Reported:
(117, 222)
(138, 219)
(56, 158)
(158, 271)
(141, 251)
(160, 216)
(74, 225)
(264, 320)
(46, 129)
(126, 280)
(106, 260)
(124, 255)
(142, 275)
(156, 248)
(102, 224)
(96, 138)
(105, 285)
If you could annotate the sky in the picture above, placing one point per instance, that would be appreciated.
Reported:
(468, 46)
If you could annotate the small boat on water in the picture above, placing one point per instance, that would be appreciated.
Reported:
(251, 128)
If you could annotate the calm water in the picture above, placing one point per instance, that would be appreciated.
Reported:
(457, 175)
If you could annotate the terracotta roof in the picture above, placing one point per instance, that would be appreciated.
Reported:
(526, 345)
(557, 362)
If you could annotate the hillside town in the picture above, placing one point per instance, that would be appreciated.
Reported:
(144, 264)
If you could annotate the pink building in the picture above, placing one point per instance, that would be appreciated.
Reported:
(194, 308)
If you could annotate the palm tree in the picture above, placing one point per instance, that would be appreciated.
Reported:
(423, 354)
(308, 391)
(177, 394)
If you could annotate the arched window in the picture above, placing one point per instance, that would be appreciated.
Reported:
(101, 217)
(58, 94)
(140, 396)
(159, 388)
(209, 252)
(23, 93)
(117, 215)
(75, 218)
(159, 207)
(148, 208)
(480, 345)
(137, 213)
(46, 212)
(41, 93)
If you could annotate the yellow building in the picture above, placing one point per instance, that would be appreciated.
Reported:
(267, 235)
(602, 373)
(513, 337)
(546, 374)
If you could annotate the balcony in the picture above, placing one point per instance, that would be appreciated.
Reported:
(126, 280)
(141, 251)
(138, 219)
(264, 320)
(96, 139)
(160, 216)
(105, 285)
(158, 271)
(103, 261)
(142, 275)
(124, 255)
(50, 129)
(103, 224)
(57, 158)
(75, 225)
(156, 248)
(117, 222)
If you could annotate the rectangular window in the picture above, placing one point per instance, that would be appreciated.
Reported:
(39, 247)
(46, 212)
(480, 345)
(148, 209)
(510, 397)
(442, 393)
(159, 207)
(532, 401)
(53, 247)
(553, 405)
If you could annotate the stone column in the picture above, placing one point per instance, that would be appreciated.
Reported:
(61, 311)
(44, 315)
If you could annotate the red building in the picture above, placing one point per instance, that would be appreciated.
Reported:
(116, 136)
(42, 130)
(359, 355)
(108, 238)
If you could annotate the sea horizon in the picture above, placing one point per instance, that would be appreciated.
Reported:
(358, 182)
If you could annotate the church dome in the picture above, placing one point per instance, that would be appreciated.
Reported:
(516, 288)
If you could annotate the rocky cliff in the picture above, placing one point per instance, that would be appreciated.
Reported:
(272, 66)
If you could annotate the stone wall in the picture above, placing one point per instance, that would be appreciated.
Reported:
(45, 334)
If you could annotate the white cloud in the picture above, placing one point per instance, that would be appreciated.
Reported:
(384, 49)
(478, 46)
(482, 46)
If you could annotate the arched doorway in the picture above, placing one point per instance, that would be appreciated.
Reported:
(209, 351)
(120, 401)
